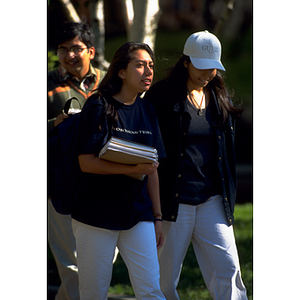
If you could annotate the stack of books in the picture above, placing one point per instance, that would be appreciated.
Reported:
(129, 153)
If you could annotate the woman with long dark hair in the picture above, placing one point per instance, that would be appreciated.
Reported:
(115, 210)
(197, 178)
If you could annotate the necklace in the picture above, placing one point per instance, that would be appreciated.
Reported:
(195, 103)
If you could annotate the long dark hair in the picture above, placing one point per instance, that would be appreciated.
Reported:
(179, 76)
(111, 84)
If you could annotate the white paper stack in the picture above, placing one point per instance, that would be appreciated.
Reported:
(129, 153)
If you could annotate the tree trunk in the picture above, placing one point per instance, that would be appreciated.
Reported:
(142, 18)
(227, 8)
(70, 11)
(97, 20)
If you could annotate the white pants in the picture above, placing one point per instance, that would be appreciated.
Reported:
(63, 246)
(214, 245)
(96, 249)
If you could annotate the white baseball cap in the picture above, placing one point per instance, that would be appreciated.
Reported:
(204, 50)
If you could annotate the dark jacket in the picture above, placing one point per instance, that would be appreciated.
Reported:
(170, 103)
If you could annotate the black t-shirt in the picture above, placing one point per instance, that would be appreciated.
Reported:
(201, 177)
(117, 202)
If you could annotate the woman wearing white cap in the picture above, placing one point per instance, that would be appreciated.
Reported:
(198, 179)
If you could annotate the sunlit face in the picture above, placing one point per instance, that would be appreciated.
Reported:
(77, 64)
(199, 78)
(138, 75)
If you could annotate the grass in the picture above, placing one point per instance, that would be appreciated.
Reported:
(191, 285)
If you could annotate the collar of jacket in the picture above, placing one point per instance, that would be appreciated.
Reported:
(215, 109)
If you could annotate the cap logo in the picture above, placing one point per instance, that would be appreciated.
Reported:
(210, 49)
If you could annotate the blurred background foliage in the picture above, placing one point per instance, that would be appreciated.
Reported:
(179, 19)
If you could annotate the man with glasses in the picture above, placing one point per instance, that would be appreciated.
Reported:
(75, 77)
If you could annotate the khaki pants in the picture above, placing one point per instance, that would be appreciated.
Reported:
(63, 247)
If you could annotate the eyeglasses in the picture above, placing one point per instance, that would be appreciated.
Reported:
(75, 49)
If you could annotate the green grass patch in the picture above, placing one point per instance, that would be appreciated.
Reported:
(121, 289)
